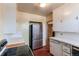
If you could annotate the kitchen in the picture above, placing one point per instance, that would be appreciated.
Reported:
(55, 26)
(65, 25)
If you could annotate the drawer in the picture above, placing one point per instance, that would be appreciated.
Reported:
(67, 45)
(66, 54)
(67, 48)
(55, 41)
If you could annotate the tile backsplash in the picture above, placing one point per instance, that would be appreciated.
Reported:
(67, 35)
(14, 38)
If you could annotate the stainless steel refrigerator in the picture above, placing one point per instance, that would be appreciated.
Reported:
(35, 35)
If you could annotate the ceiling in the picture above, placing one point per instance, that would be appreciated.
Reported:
(34, 8)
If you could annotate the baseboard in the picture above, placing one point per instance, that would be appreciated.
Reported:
(38, 48)
(51, 54)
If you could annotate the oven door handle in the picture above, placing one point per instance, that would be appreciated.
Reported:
(76, 49)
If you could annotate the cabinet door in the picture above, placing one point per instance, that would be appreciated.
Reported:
(66, 19)
(56, 47)
(57, 19)
(51, 47)
(71, 18)
(66, 49)
(66, 54)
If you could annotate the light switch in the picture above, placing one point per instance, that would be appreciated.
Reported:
(61, 33)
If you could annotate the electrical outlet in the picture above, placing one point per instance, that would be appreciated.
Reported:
(76, 17)
(61, 33)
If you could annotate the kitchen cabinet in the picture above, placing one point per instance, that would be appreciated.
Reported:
(57, 21)
(66, 18)
(51, 47)
(55, 48)
(66, 49)
(49, 17)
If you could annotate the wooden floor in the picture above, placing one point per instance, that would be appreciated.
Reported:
(41, 52)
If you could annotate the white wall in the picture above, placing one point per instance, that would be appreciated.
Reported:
(18, 30)
(7, 21)
(1, 19)
(23, 25)
(9, 18)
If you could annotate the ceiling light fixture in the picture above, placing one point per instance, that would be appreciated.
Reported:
(42, 4)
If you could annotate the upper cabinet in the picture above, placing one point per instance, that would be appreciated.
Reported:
(66, 18)
(9, 18)
(49, 17)
(57, 23)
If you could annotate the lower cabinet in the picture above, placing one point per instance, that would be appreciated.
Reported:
(66, 49)
(56, 48)
(51, 47)
(66, 54)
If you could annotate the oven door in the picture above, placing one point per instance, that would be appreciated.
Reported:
(75, 51)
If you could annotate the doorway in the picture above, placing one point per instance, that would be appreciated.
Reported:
(35, 35)
(50, 32)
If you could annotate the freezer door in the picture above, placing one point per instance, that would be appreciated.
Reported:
(40, 43)
(36, 31)
(37, 37)
(37, 44)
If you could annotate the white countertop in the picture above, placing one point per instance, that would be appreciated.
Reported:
(69, 41)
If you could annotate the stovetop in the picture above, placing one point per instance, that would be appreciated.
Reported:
(19, 51)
